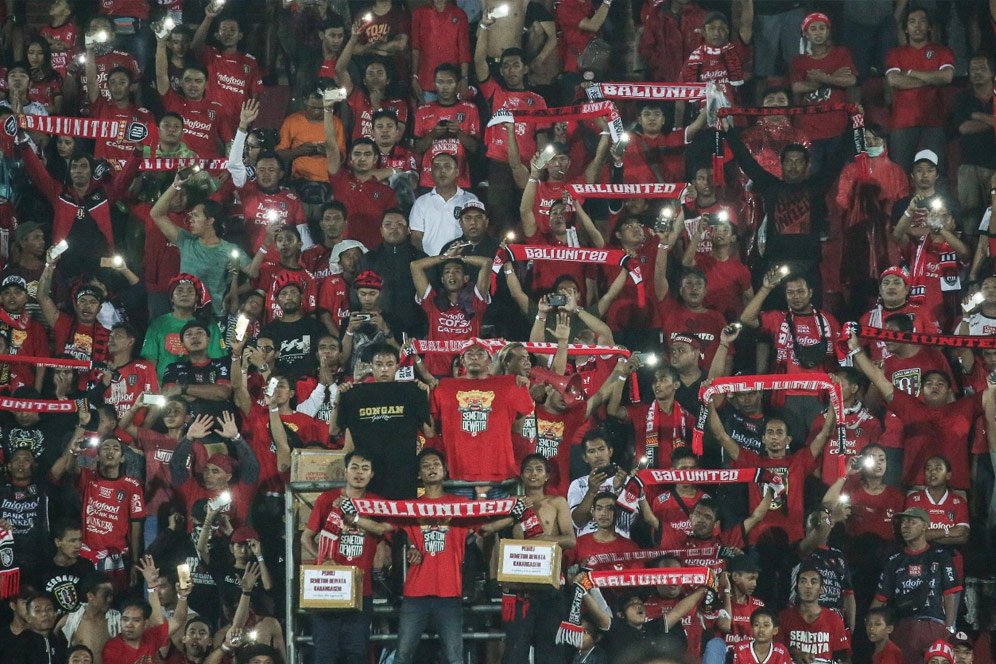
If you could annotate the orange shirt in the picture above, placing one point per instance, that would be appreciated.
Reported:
(297, 130)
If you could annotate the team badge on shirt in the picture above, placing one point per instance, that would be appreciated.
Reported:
(475, 409)
(548, 437)
(435, 539)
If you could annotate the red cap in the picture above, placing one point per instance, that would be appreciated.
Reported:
(896, 271)
(940, 648)
(368, 279)
(244, 534)
(223, 461)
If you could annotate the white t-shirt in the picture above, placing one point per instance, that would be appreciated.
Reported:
(576, 493)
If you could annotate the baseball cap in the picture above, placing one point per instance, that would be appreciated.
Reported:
(92, 291)
(244, 534)
(686, 338)
(368, 279)
(14, 280)
(473, 205)
(716, 16)
(344, 246)
(926, 155)
(24, 229)
(916, 513)
(961, 640)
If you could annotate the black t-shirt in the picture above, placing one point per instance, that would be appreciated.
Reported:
(211, 372)
(61, 582)
(976, 149)
(26, 508)
(47, 439)
(687, 397)
(296, 344)
(623, 638)
(384, 420)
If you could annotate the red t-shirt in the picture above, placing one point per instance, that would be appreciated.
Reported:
(588, 546)
(861, 429)
(722, 65)
(116, 151)
(305, 428)
(232, 77)
(740, 631)
(442, 546)
(133, 378)
(494, 137)
(675, 318)
(556, 434)
(84, 342)
(31, 341)
(808, 332)
(744, 654)
(365, 205)
(132, 8)
(674, 512)
(924, 106)
(257, 205)
(333, 297)
(451, 323)
(891, 654)
(872, 514)
(824, 125)
(695, 557)
(439, 36)
(673, 430)
(109, 507)
(353, 546)
(205, 122)
(907, 373)
(940, 430)
(727, 280)
(67, 33)
(427, 117)
(158, 449)
(822, 638)
(626, 311)
(546, 273)
(666, 155)
(105, 63)
(160, 257)
(476, 418)
(951, 510)
(398, 157)
(363, 110)
(116, 651)
(786, 513)
(572, 40)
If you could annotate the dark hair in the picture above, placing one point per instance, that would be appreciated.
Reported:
(940, 457)
(366, 140)
(79, 647)
(389, 113)
(764, 611)
(214, 210)
(62, 526)
(979, 55)
(373, 350)
(427, 452)
(683, 452)
(46, 54)
(669, 371)
(877, 129)
(138, 603)
(808, 567)
(604, 494)
(122, 70)
(916, 7)
(561, 279)
(196, 67)
(465, 296)
(903, 322)
(171, 114)
(383, 62)
(794, 147)
(855, 376)
(394, 210)
(447, 68)
(535, 456)
(229, 17)
(887, 615)
(358, 453)
(20, 64)
(43, 595)
(332, 205)
(708, 503)
(694, 272)
(511, 53)
(272, 154)
(333, 20)
(89, 583)
(596, 434)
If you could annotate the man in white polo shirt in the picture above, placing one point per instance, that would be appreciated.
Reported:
(434, 219)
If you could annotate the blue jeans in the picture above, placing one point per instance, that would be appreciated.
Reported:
(344, 634)
(494, 493)
(714, 651)
(447, 617)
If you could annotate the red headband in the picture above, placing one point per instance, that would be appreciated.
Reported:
(897, 271)
(815, 17)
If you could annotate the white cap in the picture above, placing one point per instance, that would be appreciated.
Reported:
(926, 155)
(344, 246)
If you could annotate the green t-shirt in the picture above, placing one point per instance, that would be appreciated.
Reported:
(209, 263)
(163, 346)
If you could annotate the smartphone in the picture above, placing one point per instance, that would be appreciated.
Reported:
(364, 318)
(734, 327)
(647, 359)
(662, 226)
(111, 261)
(611, 469)
(557, 300)
(222, 500)
(189, 171)
(334, 95)
(271, 387)
(241, 326)
(183, 576)
(57, 250)
(156, 400)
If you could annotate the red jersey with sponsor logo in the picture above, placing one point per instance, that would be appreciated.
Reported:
(501, 97)
(872, 513)
(400, 158)
(786, 513)
(133, 378)
(728, 280)
(675, 318)
(302, 430)
(117, 651)
(861, 430)
(626, 310)
(546, 273)
(67, 33)
(547, 193)
(588, 546)
(556, 434)
(109, 507)
(722, 65)
(949, 511)
(674, 511)
(365, 205)
(745, 654)
(427, 117)
(476, 419)
(353, 546)
(451, 324)
(115, 151)
(363, 110)
(821, 638)
(132, 8)
(160, 257)
(695, 556)
(824, 125)
(105, 63)
(158, 449)
(232, 77)
(941, 430)
(333, 297)
(673, 430)
(258, 208)
(923, 106)
(740, 631)
(442, 546)
(315, 259)
(808, 332)
(45, 92)
(906, 373)
(439, 37)
(205, 123)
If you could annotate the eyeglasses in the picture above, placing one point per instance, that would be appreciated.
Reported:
(266, 349)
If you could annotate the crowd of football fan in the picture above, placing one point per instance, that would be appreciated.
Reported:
(320, 272)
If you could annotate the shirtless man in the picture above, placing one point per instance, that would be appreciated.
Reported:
(94, 623)
(506, 32)
(538, 612)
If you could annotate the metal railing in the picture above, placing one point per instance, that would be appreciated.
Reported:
(293, 489)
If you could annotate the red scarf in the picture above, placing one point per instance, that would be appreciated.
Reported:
(37, 405)
(655, 91)
(105, 130)
(655, 476)
(919, 338)
(529, 252)
(393, 511)
(176, 163)
(807, 382)
(670, 190)
(450, 346)
(655, 418)
(56, 363)
(644, 554)
(10, 575)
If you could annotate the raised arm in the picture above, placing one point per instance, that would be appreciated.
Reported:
(237, 169)
(162, 71)
(333, 159)
(50, 312)
(871, 370)
(719, 431)
(751, 316)
(420, 272)
(760, 511)
(481, 70)
(342, 75)
(515, 288)
(160, 210)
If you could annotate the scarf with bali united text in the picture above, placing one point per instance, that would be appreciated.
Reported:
(10, 574)
(570, 630)
(595, 109)
(653, 91)
(810, 382)
(450, 346)
(478, 510)
(918, 338)
(37, 405)
(108, 130)
(633, 489)
(672, 190)
(529, 252)
(855, 115)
